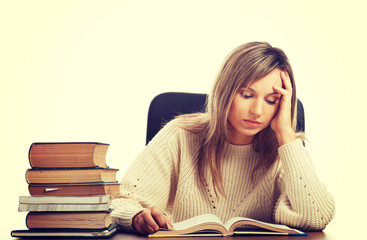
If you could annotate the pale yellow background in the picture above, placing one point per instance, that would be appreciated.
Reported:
(87, 70)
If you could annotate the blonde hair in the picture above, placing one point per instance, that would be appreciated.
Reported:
(244, 65)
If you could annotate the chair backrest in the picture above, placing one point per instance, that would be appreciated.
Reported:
(165, 106)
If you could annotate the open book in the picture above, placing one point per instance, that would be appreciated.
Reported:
(211, 225)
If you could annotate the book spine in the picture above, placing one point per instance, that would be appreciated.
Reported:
(29, 154)
(26, 176)
(26, 220)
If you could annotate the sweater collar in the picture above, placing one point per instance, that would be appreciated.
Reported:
(237, 150)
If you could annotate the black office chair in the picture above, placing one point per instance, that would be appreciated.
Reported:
(165, 106)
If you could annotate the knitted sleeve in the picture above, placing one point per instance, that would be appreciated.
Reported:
(303, 200)
(150, 180)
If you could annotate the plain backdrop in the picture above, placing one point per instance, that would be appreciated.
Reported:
(78, 70)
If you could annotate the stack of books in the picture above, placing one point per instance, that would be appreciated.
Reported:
(70, 188)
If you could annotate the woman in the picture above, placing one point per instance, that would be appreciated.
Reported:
(241, 157)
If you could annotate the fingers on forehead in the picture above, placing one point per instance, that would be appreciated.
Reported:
(286, 79)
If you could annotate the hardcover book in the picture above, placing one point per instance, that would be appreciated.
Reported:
(67, 203)
(71, 175)
(69, 233)
(74, 189)
(67, 154)
(61, 220)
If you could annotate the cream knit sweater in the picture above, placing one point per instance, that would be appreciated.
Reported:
(164, 175)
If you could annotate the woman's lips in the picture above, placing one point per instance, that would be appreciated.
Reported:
(252, 123)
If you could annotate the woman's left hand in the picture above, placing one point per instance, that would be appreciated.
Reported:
(282, 123)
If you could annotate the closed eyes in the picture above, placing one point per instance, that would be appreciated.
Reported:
(246, 95)
(272, 99)
(272, 102)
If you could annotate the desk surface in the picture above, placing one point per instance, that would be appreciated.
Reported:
(129, 236)
(311, 235)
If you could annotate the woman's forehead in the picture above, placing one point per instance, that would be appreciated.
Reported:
(265, 83)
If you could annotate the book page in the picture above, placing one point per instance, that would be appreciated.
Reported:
(201, 219)
(97, 199)
(231, 221)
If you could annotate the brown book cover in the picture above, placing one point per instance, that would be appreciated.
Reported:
(71, 175)
(76, 220)
(68, 154)
(81, 189)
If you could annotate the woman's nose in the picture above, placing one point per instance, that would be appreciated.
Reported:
(256, 109)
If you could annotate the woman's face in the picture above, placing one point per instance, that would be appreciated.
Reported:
(253, 108)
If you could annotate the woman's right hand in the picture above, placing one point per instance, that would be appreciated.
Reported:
(150, 220)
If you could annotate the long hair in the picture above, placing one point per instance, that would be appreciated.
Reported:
(243, 66)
